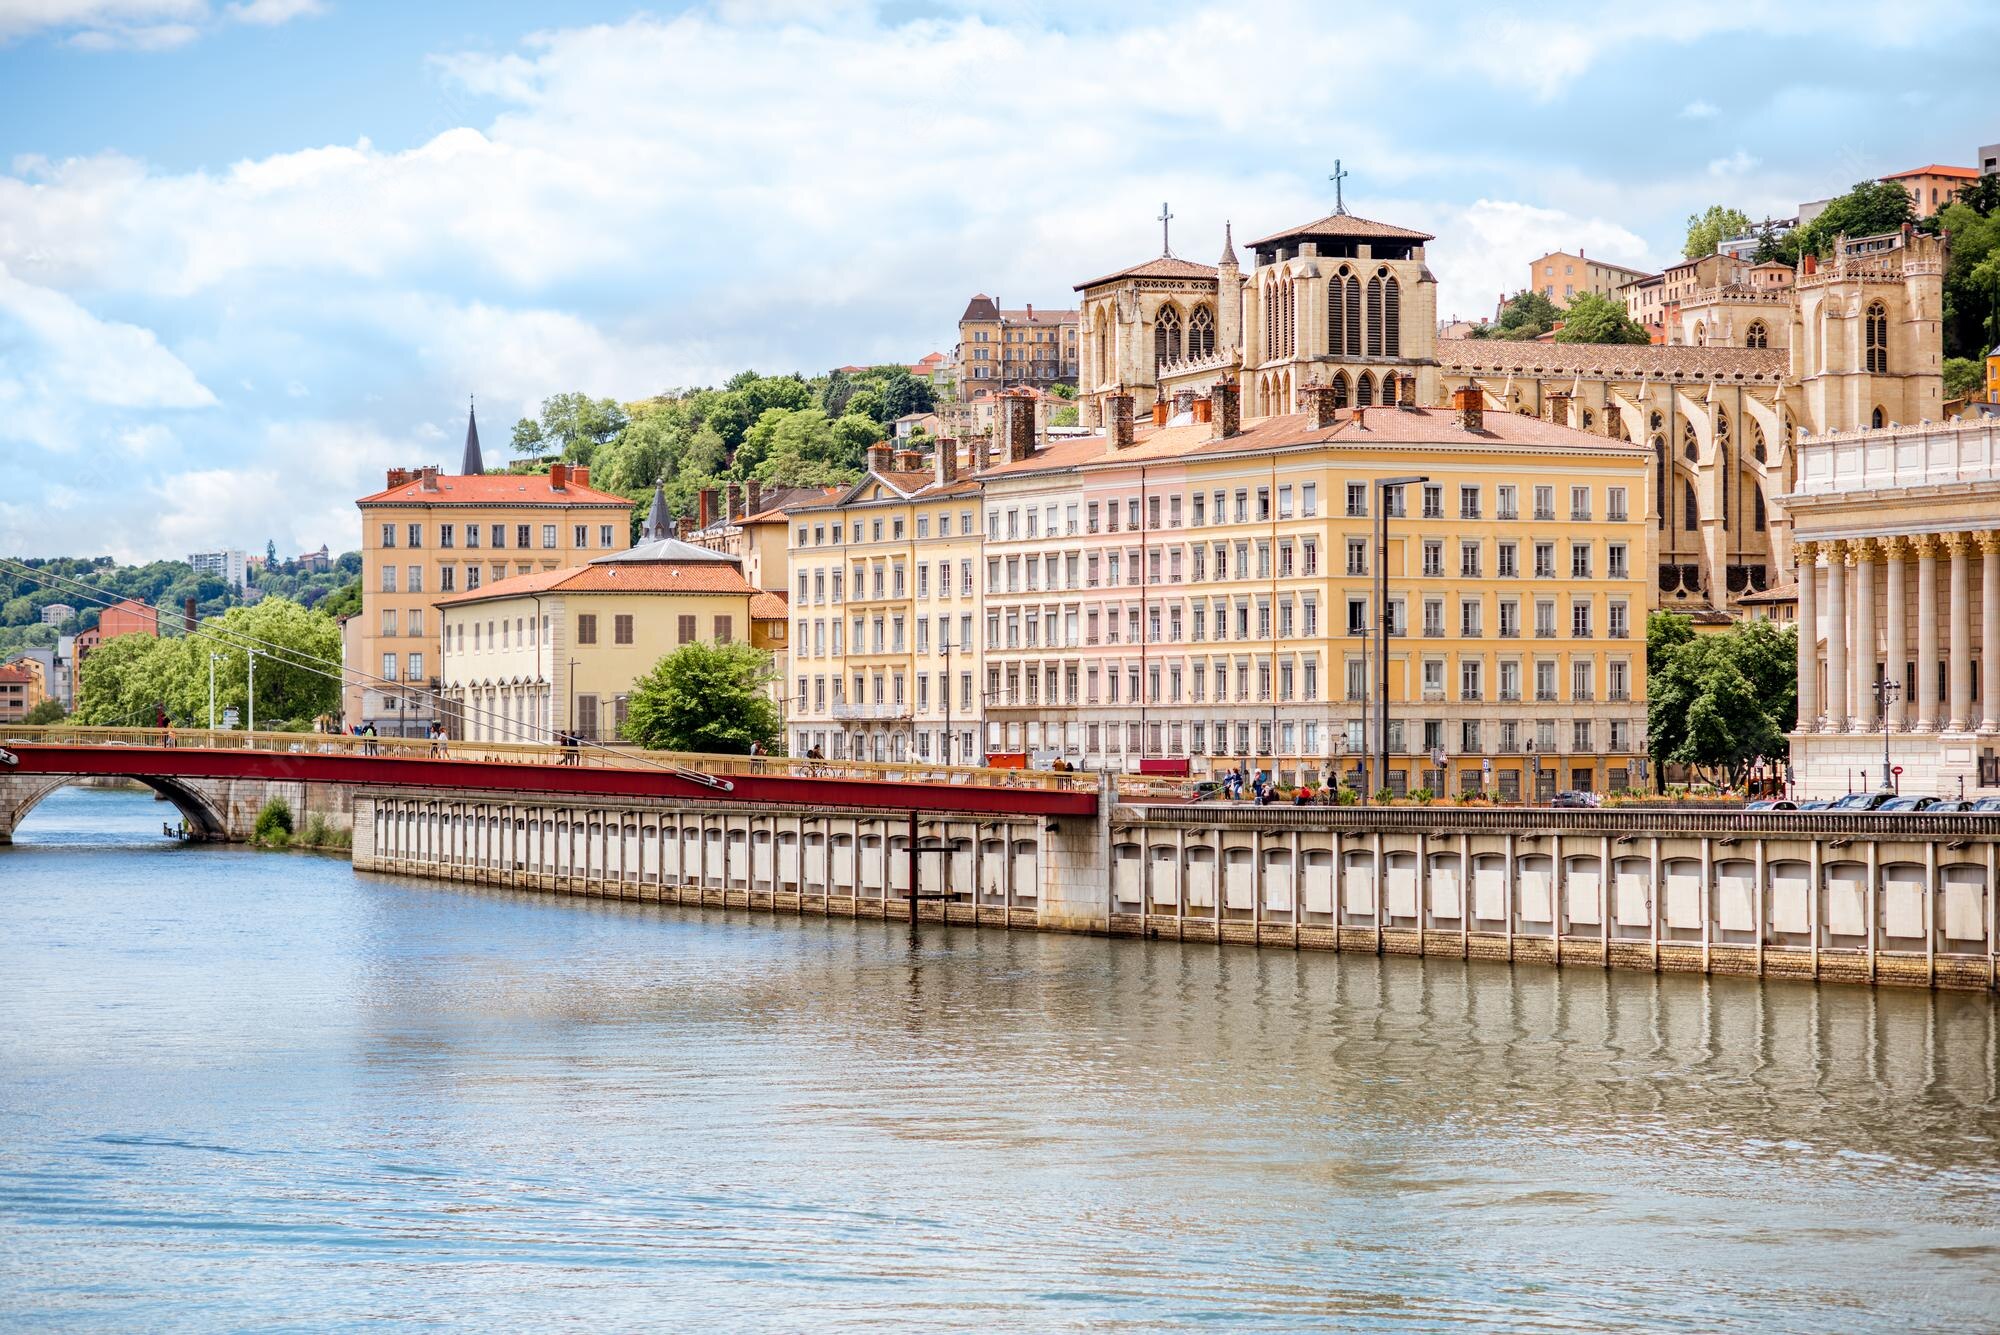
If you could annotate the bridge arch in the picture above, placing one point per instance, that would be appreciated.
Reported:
(26, 792)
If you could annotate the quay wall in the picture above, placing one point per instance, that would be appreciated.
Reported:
(1866, 898)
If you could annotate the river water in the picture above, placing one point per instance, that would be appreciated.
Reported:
(246, 1089)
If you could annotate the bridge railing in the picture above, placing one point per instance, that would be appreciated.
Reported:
(589, 755)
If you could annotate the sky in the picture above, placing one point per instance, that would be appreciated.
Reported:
(255, 252)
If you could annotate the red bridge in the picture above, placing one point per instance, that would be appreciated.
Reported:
(214, 778)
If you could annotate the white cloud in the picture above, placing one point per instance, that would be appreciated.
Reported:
(1699, 110)
(1739, 163)
(269, 13)
(140, 25)
(1495, 239)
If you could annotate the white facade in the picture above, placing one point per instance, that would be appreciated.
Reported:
(230, 566)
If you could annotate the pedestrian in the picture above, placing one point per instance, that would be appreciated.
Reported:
(437, 740)
(171, 739)
(369, 746)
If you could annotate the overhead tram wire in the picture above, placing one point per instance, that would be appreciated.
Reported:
(286, 656)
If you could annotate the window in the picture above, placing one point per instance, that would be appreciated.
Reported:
(1468, 502)
(1508, 563)
(389, 667)
(416, 536)
(521, 535)
(604, 535)
(1308, 500)
(416, 584)
(388, 621)
(1434, 558)
(1469, 678)
(724, 628)
(1579, 560)
(684, 630)
(1615, 563)
(1614, 504)
(1579, 503)
(1756, 336)
(1877, 331)
(1468, 618)
(1357, 500)
(471, 578)
(1545, 560)
(586, 628)
(1468, 560)
(447, 579)
(621, 628)
(1617, 620)
(1505, 504)
(1357, 556)
(388, 579)
(1579, 619)
(388, 535)
(448, 532)
(548, 536)
(1433, 501)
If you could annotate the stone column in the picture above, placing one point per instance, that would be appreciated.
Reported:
(1836, 637)
(1989, 632)
(1807, 554)
(1927, 634)
(1960, 546)
(1862, 554)
(1896, 649)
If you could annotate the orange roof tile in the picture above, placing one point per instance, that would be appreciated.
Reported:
(494, 489)
(770, 606)
(1934, 169)
(1166, 266)
(631, 577)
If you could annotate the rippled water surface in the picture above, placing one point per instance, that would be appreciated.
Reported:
(242, 1089)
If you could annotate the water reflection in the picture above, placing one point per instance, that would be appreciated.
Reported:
(242, 1087)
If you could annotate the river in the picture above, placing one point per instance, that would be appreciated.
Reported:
(250, 1089)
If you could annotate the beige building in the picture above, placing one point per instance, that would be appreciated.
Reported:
(1853, 343)
(1002, 349)
(885, 600)
(1934, 186)
(1563, 277)
(533, 656)
(1897, 543)
(428, 534)
(21, 689)
(1205, 594)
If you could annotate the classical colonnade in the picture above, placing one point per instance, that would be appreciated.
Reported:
(1864, 597)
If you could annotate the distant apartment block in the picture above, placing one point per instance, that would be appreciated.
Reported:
(1005, 349)
(230, 566)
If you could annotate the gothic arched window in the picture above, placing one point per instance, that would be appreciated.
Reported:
(1700, 334)
(1291, 341)
(1375, 317)
(1201, 333)
(1757, 443)
(1757, 518)
(1353, 316)
(1878, 419)
(1659, 447)
(1878, 340)
(1690, 448)
(1392, 317)
(1337, 322)
(1340, 392)
(1756, 336)
(1689, 519)
(1389, 387)
(1365, 395)
(1166, 337)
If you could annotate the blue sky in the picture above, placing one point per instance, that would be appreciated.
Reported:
(253, 252)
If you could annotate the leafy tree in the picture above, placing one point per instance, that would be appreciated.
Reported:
(1773, 244)
(130, 678)
(1065, 416)
(47, 712)
(345, 602)
(1962, 377)
(869, 402)
(572, 425)
(1528, 316)
(1596, 318)
(1707, 231)
(1063, 390)
(707, 698)
(1870, 208)
(833, 395)
(1972, 271)
(1717, 702)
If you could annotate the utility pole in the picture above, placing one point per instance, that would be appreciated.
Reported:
(211, 690)
(251, 692)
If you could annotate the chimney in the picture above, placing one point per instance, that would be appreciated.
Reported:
(707, 509)
(558, 477)
(732, 501)
(944, 458)
(909, 461)
(1121, 420)
(1471, 405)
(1320, 402)
(1017, 423)
(753, 502)
(1203, 410)
(1031, 311)
(579, 474)
(878, 457)
(1406, 393)
(187, 615)
(428, 476)
(1160, 413)
(1225, 409)
(1809, 264)
(399, 477)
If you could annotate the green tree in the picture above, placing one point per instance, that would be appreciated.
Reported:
(1963, 376)
(1869, 209)
(1065, 416)
(1717, 702)
(1528, 315)
(1774, 245)
(708, 698)
(128, 679)
(572, 425)
(343, 602)
(1595, 318)
(47, 712)
(1707, 231)
(1972, 271)
(271, 554)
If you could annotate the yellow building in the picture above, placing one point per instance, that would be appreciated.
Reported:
(1563, 277)
(21, 689)
(555, 651)
(885, 603)
(1207, 592)
(429, 533)
(1001, 349)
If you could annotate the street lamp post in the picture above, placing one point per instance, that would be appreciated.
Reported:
(1382, 489)
(211, 692)
(1886, 692)
(250, 693)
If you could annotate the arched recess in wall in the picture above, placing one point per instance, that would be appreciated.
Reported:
(1201, 333)
(1877, 334)
(1166, 336)
(1375, 316)
(1690, 508)
(1661, 492)
(1392, 315)
(1364, 395)
(1756, 336)
(1341, 393)
(1690, 444)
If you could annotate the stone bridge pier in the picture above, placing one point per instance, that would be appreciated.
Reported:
(221, 810)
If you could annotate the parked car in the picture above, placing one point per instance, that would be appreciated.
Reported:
(1908, 804)
(1573, 798)
(1985, 804)
(1860, 801)
(1951, 806)
(1772, 804)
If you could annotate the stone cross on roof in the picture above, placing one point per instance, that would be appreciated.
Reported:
(1339, 200)
(1164, 218)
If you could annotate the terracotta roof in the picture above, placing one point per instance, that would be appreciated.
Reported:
(661, 578)
(19, 671)
(1379, 428)
(494, 489)
(1166, 266)
(794, 498)
(1778, 593)
(769, 606)
(1624, 361)
(1962, 173)
(1039, 317)
(981, 307)
(1345, 224)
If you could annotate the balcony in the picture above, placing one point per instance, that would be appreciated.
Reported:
(882, 713)
(1432, 632)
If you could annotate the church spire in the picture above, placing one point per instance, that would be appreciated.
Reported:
(472, 465)
(657, 525)
(1228, 260)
